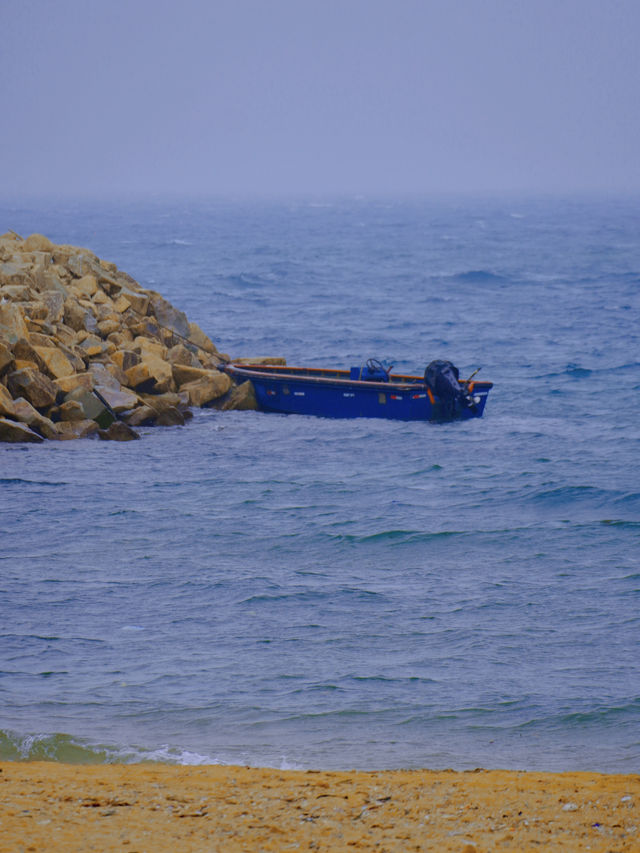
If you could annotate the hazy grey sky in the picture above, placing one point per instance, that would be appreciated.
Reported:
(315, 96)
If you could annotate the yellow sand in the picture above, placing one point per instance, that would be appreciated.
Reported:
(151, 808)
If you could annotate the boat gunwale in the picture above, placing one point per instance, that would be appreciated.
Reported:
(282, 373)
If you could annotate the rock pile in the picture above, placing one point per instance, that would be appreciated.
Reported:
(85, 350)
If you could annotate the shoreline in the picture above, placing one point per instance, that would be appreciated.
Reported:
(160, 808)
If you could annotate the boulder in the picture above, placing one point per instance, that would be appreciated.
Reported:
(76, 380)
(34, 386)
(54, 302)
(126, 358)
(160, 370)
(92, 407)
(139, 376)
(38, 243)
(23, 351)
(71, 410)
(200, 340)
(139, 302)
(120, 400)
(12, 324)
(179, 354)
(7, 407)
(142, 416)
(87, 285)
(76, 429)
(183, 374)
(77, 317)
(170, 417)
(55, 362)
(15, 431)
(118, 431)
(161, 402)
(7, 359)
(108, 326)
(203, 391)
(26, 414)
(92, 346)
(240, 397)
(168, 316)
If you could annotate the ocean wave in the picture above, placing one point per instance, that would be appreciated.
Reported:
(68, 749)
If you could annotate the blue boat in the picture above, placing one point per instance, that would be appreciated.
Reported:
(368, 391)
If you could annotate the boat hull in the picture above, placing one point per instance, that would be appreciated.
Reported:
(333, 394)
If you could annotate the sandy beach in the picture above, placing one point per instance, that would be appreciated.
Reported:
(152, 808)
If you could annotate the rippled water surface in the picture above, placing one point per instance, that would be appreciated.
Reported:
(296, 591)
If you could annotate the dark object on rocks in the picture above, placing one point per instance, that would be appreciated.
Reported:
(118, 431)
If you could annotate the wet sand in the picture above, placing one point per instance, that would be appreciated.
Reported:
(152, 808)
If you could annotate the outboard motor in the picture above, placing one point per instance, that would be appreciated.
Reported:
(441, 378)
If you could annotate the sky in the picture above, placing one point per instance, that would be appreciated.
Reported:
(322, 97)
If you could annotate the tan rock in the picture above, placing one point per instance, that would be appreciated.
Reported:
(7, 408)
(240, 397)
(34, 386)
(54, 301)
(87, 285)
(17, 292)
(161, 371)
(76, 429)
(71, 410)
(162, 402)
(106, 375)
(24, 352)
(262, 359)
(93, 407)
(14, 431)
(180, 354)
(141, 416)
(203, 391)
(139, 302)
(40, 340)
(92, 346)
(121, 400)
(78, 317)
(108, 326)
(183, 374)
(118, 431)
(121, 339)
(38, 243)
(26, 414)
(55, 362)
(12, 324)
(35, 310)
(76, 380)
(148, 346)
(170, 417)
(140, 376)
(16, 273)
(198, 337)
(121, 304)
(167, 315)
(126, 358)
(65, 335)
(7, 360)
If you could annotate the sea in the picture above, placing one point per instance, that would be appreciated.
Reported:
(300, 592)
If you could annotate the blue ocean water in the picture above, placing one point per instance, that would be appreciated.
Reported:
(301, 592)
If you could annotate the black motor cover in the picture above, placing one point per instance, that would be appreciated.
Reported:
(441, 377)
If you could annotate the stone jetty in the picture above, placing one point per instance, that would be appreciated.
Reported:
(86, 351)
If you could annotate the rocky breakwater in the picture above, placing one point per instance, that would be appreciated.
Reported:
(85, 350)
